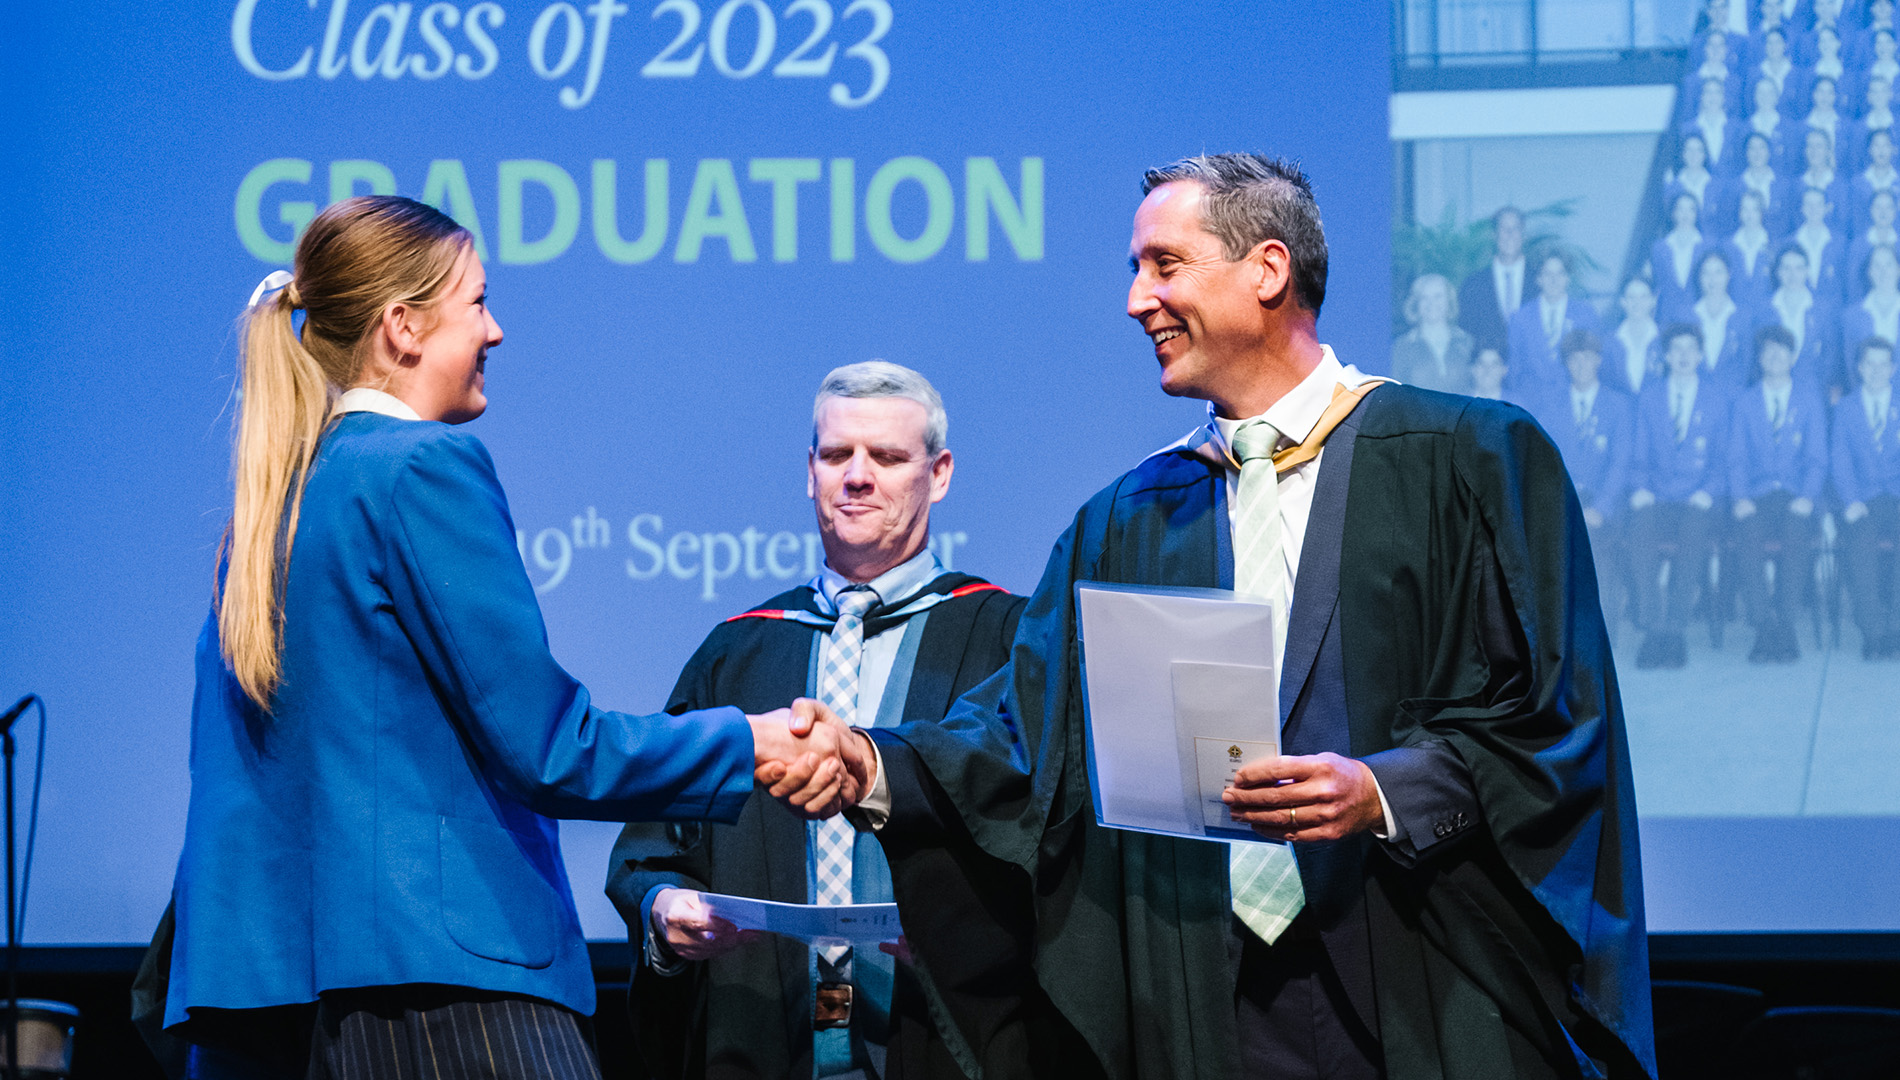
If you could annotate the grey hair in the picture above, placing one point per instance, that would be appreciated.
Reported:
(1252, 198)
(881, 378)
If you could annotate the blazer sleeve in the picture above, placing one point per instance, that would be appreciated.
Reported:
(462, 596)
(648, 855)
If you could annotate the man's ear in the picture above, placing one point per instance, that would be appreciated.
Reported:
(1275, 265)
(811, 474)
(940, 471)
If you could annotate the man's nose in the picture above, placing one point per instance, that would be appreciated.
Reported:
(1141, 298)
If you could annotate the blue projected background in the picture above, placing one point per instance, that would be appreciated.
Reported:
(684, 231)
(690, 211)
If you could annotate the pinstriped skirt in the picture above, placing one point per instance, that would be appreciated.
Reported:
(402, 1033)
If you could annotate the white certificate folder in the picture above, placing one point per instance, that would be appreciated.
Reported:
(1181, 690)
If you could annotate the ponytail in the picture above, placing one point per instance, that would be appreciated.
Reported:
(355, 259)
(286, 400)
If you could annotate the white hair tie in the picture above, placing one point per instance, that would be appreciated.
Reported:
(273, 281)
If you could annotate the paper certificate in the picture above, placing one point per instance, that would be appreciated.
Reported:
(1217, 762)
(816, 923)
(1181, 691)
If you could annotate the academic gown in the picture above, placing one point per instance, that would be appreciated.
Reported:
(1528, 913)
(748, 1013)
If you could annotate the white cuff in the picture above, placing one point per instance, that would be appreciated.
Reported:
(876, 804)
(1390, 833)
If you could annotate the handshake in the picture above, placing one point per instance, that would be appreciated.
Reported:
(810, 760)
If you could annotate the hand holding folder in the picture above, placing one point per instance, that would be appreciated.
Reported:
(1182, 692)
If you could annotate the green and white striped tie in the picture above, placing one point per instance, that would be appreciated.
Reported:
(1264, 878)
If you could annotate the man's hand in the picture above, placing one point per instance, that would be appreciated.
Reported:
(899, 948)
(691, 930)
(1309, 798)
(810, 761)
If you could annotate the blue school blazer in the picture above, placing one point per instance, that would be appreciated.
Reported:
(389, 820)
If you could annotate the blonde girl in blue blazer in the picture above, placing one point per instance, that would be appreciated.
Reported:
(371, 873)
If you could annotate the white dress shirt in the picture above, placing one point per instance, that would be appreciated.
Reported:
(1761, 182)
(1583, 403)
(1696, 183)
(1775, 399)
(1776, 73)
(1750, 242)
(1884, 313)
(1636, 351)
(1295, 416)
(1715, 324)
(1714, 130)
(1508, 280)
(1794, 314)
(1814, 240)
(1682, 404)
(1553, 314)
(895, 585)
(1877, 403)
(1682, 248)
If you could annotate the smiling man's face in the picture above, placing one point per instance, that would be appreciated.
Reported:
(872, 481)
(1202, 311)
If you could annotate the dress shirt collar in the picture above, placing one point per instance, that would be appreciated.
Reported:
(1297, 413)
(370, 399)
(892, 586)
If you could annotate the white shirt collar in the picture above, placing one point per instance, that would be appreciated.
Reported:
(1297, 413)
(893, 585)
(369, 399)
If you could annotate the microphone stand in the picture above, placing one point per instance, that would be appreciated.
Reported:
(7, 749)
(13, 926)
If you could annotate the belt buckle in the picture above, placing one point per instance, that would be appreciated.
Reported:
(832, 1006)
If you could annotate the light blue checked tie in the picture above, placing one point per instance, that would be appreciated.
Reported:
(838, 689)
(1264, 878)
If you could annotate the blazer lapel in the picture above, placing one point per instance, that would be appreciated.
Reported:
(1316, 590)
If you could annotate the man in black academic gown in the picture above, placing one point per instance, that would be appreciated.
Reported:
(1457, 786)
(883, 635)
